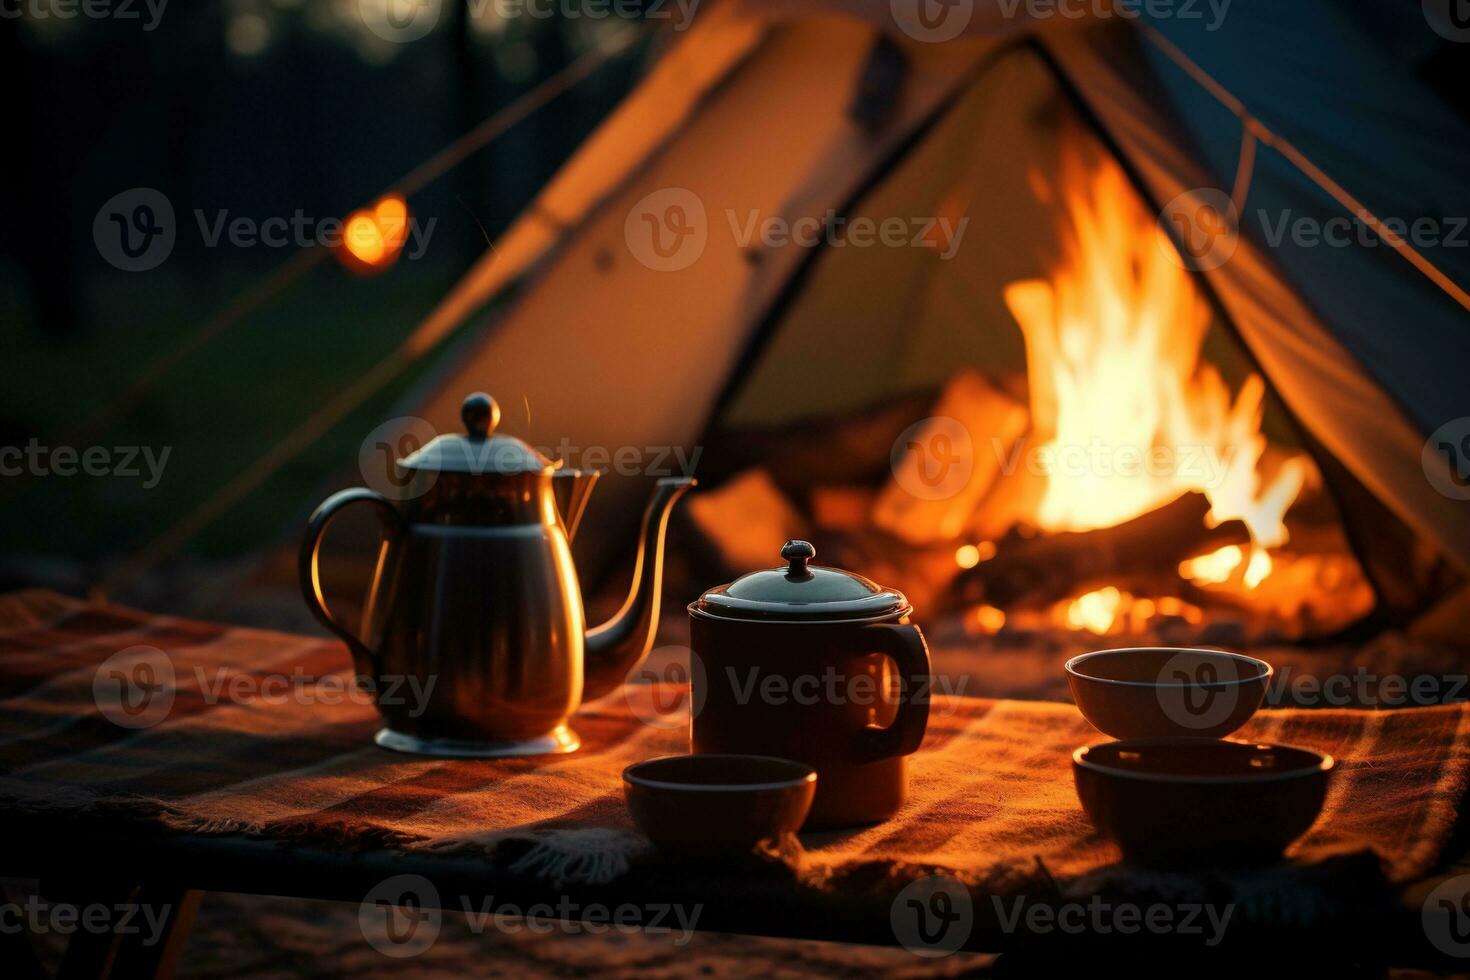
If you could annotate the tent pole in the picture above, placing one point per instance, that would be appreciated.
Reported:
(1257, 130)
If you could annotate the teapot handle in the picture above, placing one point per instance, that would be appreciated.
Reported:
(310, 573)
(905, 644)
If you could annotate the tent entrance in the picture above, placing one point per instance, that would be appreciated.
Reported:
(1061, 435)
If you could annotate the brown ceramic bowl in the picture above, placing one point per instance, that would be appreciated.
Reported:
(718, 805)
(1154, 692)
(1171, 802)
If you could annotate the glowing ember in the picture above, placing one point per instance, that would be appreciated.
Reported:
(970, 555)
(1220, 567)
(1214, 568)
(1111, 610)
(1096, 611)
(1127, 413)
(1258, 569)
(989, 619)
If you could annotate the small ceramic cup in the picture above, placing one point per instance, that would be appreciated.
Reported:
(718, 805)
(1155, 692)
(1173, 802)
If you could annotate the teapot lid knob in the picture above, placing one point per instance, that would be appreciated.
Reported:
(798, 553)
(480, 414)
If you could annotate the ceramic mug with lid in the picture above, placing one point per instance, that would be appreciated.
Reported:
(814, 664)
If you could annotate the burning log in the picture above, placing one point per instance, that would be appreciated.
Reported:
(741, 525)
(964, 441)
(841, 508)
(1053, 565)
(851, 448)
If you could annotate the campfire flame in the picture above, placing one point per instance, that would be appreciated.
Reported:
(1127, 413)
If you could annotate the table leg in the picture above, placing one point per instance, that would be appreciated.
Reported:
(88, 955)
(18, 954)
(142, 956)
(143, 953)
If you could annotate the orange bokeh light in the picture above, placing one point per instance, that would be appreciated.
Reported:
(372, 239)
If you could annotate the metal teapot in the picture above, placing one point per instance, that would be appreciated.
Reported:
(474, 641)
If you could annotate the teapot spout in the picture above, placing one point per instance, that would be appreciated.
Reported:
(615, 648)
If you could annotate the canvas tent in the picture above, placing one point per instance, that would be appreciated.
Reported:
(797, 111)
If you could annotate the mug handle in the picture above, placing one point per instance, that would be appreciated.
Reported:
(905, 644)
(309, 572)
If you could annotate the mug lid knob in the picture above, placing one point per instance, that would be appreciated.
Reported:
(798, 553)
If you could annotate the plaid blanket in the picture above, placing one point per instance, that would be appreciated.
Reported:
(259, 739)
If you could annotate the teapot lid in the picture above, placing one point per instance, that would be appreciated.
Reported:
(479, 450)
(800, 591)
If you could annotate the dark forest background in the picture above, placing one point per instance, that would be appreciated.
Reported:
(258, 108)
